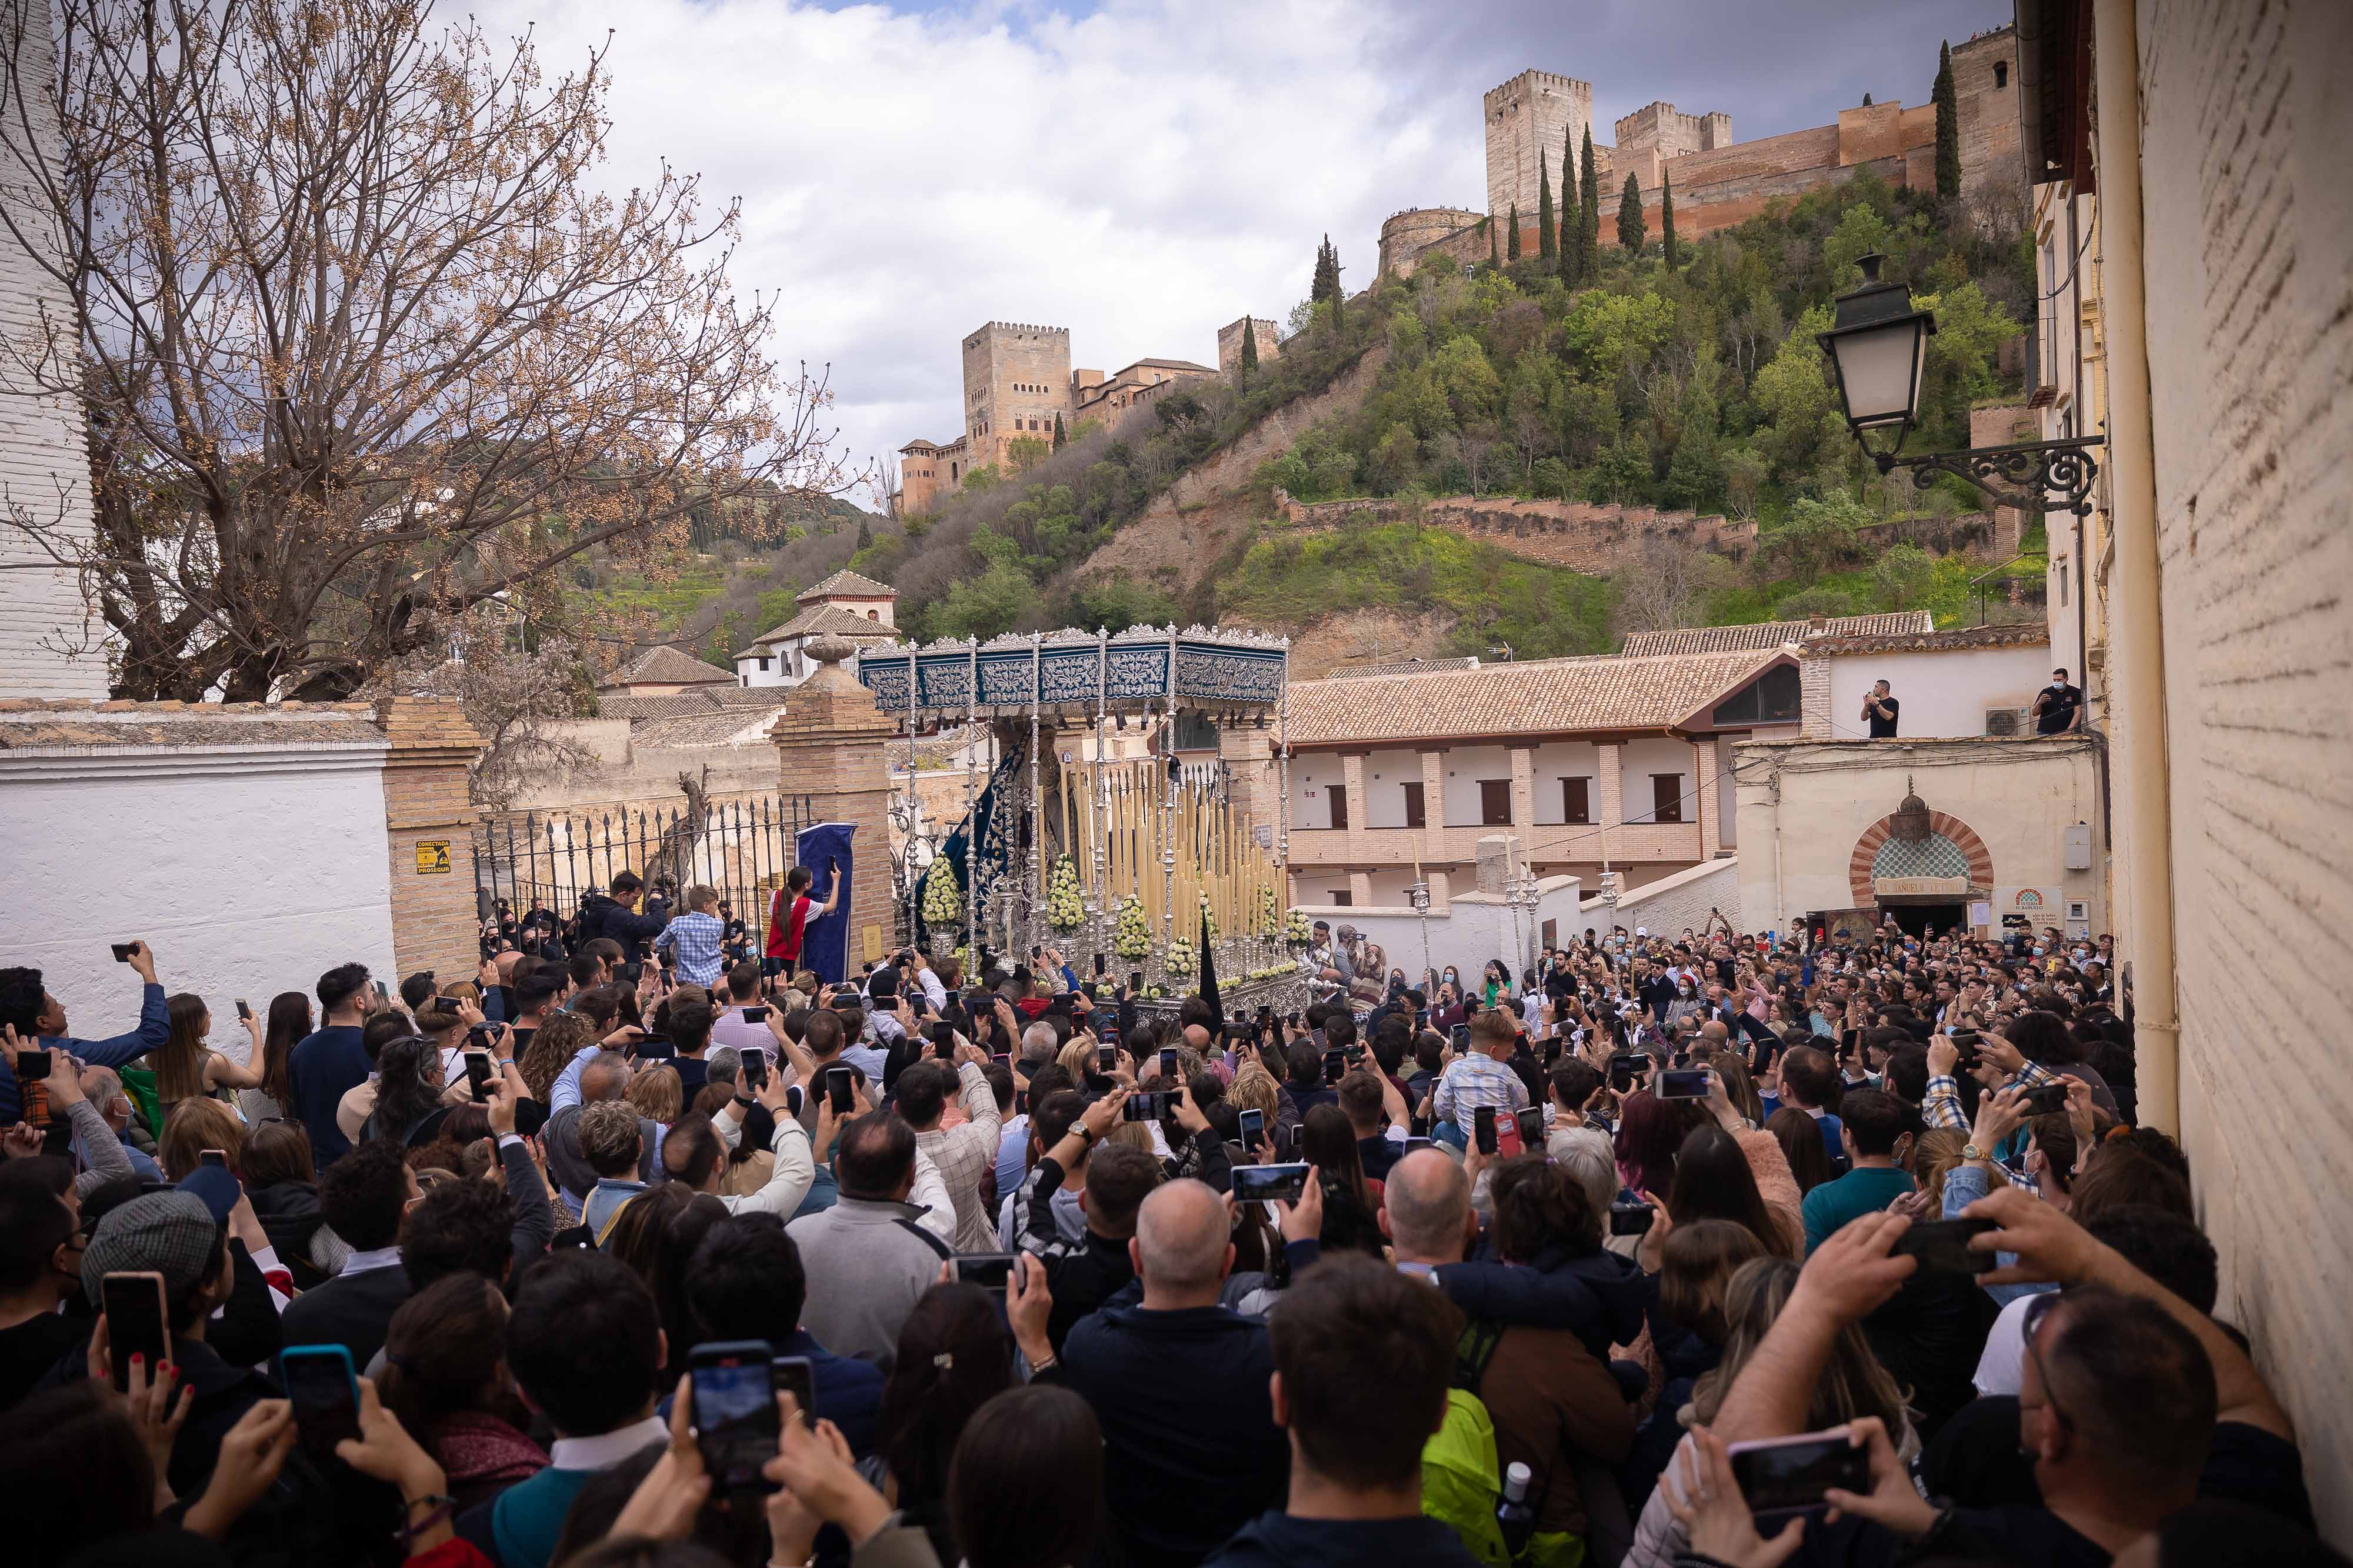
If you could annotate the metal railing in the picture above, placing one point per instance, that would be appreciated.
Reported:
(552, 859)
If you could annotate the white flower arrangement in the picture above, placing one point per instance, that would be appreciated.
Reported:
(1179, 959)
(943, 900)
(1131, 937)
(1065, 912)
(1296, 931)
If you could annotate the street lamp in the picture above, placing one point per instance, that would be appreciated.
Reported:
(1878, 348)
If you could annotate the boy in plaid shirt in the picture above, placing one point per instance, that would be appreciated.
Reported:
(696, 936)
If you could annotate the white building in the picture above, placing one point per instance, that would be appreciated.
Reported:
(844, 605)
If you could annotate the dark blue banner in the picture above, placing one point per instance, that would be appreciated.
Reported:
(825, 849)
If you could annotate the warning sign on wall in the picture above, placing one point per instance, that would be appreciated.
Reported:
(432, 856)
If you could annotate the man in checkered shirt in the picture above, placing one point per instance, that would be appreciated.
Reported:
(1481, 1078)
(695, 938)
(965, 1153)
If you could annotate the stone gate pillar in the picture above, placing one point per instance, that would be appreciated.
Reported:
(831, 743)
(428, 825)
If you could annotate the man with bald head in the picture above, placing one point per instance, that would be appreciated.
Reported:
(604, 1076)
(1551, 1400)
(1181, 1382)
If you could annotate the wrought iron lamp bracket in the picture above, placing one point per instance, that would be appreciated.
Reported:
(2031, 476)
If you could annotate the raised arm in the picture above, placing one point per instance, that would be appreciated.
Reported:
(1847, 1278)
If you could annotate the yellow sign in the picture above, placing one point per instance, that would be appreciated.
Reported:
(869, 936)
(432, 856)
(1920, 886)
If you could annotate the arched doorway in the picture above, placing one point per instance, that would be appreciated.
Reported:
(1922, 867)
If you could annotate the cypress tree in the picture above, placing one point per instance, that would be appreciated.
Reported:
(1327, 273)
(1572, 220)
(1339, 290)
(1948, 127)
(1060, 436)
(1630, 217)
(1249, 363)
(1588, 196)
(1545, 242)
(1866, 101)
(865, 535)
(1492, 260)
(1667, 216)
(1512, 240)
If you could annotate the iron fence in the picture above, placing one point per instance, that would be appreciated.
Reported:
(551, 860)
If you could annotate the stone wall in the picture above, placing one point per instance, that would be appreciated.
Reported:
(2249, 320)
(48, 639)
(1263, 331)
(1013, 374)
(1406, 235)
(1230, 468)
(1577, 535)
(1674, 902)
(1529, 120)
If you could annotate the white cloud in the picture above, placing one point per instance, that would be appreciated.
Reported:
(1140, 175)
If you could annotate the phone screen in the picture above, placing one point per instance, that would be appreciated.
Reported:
(1286, 1182)
(1631, 1219)
(1483, 1124)
(1099, 965)
(133, 1304)
(1106, 1059)
(1253, 1128)
(989, 1270)
(1168, 1063)
(1335, 1066)
(478, 1075)
(32, 1066)
(123, 950)
(1532, 1133)
(755, 1071)
(837, 1090)
(1134, 982)
(1461, 1036)
(326, 1401)
(243, 1012)
(1142, 1107)
(1794, 1472)
(793, 1097)
(755, 1014)
(793, 1374)
(735, 1420)
(1944, 1245)
(1682, 1083)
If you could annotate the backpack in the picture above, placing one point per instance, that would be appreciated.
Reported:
(1462, 1477)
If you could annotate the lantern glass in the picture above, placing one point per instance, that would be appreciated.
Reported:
(1879, 370)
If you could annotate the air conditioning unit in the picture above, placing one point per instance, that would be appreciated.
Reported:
(2005, 720)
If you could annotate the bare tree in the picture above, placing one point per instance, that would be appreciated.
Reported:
(1666, 586)
(360, 343)
(515, 696)
(886, 482)
(1481, 455)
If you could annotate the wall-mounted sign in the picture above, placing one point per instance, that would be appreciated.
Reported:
(1920, 886)
(432, 856)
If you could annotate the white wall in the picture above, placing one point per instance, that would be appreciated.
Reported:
(1314, 777)
(2019, 796)
(252, 870)
(1559, 760)
(1943, 694)
(1639, 759)
(1476, 927)
(1672, 903)
(48, 640)
(1385, 776)
(1465, 766)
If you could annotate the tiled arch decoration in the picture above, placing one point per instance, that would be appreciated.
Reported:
(1867, 847)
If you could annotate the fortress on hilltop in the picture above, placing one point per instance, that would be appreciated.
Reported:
(1717, 182)
(1017, 381)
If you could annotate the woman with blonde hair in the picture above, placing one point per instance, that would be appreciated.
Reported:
(192, 1126)
(1852, 1384)
(658, 1094)
(185, 1067)
(559, 1037)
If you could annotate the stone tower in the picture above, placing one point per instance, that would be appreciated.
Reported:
(1017, 378)
(1528, 118)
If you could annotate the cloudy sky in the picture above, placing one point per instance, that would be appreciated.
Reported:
(1140, 171)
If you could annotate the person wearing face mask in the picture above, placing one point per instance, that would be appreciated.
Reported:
(2058, 707)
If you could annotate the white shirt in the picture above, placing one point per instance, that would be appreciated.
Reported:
(377, 1258)
(2001, 1367)
(607, 1449)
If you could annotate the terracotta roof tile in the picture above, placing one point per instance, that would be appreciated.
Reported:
(663, 665)
(699, 701)
(1544, 697)
(846, 583)
(1773, 634)
(819, 618)
(2021, 634)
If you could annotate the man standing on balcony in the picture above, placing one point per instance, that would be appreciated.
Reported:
(1879, 710)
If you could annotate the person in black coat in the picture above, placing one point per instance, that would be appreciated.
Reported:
(363, 1196)
(617, 918)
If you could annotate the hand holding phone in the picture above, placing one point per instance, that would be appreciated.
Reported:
(136, 1323)
(324, 1393)
(735, 1420)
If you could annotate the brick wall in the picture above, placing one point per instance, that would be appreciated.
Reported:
(2249, 318)
(830, 747)
(1014, 372)
(434, 922)
(48, 636)
(1528, 119)
(1989, 112)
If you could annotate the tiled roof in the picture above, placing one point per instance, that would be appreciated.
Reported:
(2019, 634)
(1773, 634)
(737, 725)
(1543, 697)
(1173, 364)
(663, 665)
(680, 704)
(1399, 666)
(816, 619)
(847, 583)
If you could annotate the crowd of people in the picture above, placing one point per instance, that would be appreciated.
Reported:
(629, 1249)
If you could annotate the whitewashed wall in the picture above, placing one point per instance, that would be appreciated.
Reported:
(251, 870)
(1942, 694)
(1674, 902)
(1475, 928)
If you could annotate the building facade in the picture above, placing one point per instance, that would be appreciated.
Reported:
(844, 605)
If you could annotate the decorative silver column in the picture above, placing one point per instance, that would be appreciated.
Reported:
(971, 825)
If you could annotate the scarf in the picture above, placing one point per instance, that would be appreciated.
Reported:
(473, 1447)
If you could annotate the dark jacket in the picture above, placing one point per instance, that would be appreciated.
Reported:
(1182, 1397)
(353, 1310)
(1275, 1540)
(1599, 1297)
(561, 1141)
(325, 1065)
(291, 1216)
(602, 916)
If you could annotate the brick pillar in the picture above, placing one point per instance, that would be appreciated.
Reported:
(1524, 793)
(1433, 820)
(1442, 889)
(831, 744)
(1814, 717)
(428, 825)
(1352, 779)
(1612, 803)
(1710, 803)
(1360, 888)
